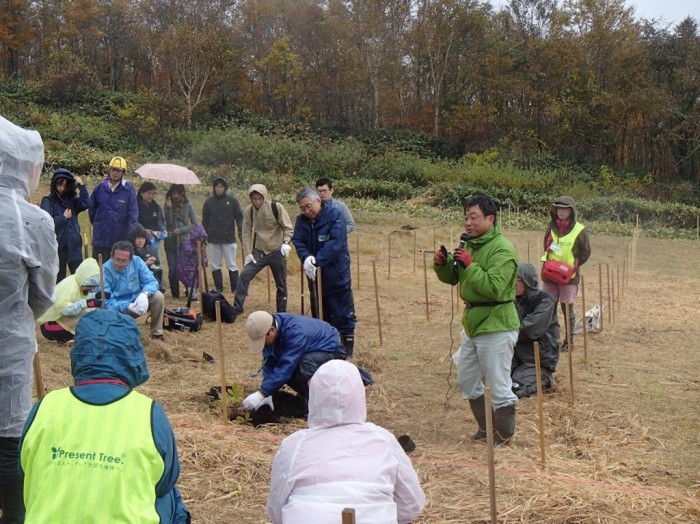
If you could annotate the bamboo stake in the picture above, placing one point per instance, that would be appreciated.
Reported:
(600, 295)
(540, 410)
(269, 290)
(358, 258)
(619, 296)
(489, 454)
(38, 378)
(425, 285)
(414, 251)
(319, 291)
(585, 321)
(222, 369)
(376, 299)
(607, 270)
(567, 314)
(348, 516)
(103, 300)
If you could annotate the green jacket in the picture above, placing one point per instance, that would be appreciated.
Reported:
(489, 278)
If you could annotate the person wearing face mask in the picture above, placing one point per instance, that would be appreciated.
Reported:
(67, 199)
(321, 240)
(113, 209)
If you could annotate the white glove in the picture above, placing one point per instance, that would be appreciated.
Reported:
(135, 310)
(286, 249)
(268, 401)
(310, 267)
(75, 308)
(254, 401)
(141, 302)
(249, 259)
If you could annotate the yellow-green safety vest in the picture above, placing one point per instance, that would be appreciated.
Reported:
(564, 246)
(91, 463)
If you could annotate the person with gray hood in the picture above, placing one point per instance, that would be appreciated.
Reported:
(565, 240)
(222, 217)
(29, 261)
(538, 323)
(267, 231)
(100, 451)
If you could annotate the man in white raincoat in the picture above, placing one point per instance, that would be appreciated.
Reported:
(28, 268)
(342, 461)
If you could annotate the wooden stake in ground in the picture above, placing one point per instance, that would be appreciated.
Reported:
(585, 321)
(425, 285)
(319, 292)
(348, 516)
(269, 290)
(388, 273)
(85, 245)
(614, 302)
(38, 378)
(489, 454)
(567, 314)
(624, 276)
(619, 296)
(540, 410)
(301, 275)
(414, 252)
(222, 369)
(528, 251)
(357, 254)
(376, 299)
(600, 295)
(607, 271)
(103, 300)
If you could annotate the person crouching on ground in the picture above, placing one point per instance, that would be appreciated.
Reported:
(132, 287)
(342, 460)
(293, 347)
(538, 323)
(99, 451)
(73, 297)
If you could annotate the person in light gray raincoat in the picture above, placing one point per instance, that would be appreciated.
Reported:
(28, 269)
(538, 323)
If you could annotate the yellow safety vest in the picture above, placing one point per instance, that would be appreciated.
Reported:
(91, 463)
(562, 248)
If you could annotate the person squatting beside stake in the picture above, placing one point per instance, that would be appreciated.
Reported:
(566, 241)
(485, 269)
(99, 451)
(132, 288)
(342, 460)
(68, 198)
(321, 240)
(538, 323)
(293, 347)
(29, 262)
(74, 296)
(267, 230)
(222, 217)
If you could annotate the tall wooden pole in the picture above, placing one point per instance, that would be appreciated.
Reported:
(376, 299)
(607, 270)
(425, 285)
(319, 291)
(600, 295)
(567, 315)
(388, 274)
(269, 289)
(357, 254)
(540, 409)
(614, 303)
(301, 287)
(585, 320)
(619, 296)
(490, 455)
(222, 368)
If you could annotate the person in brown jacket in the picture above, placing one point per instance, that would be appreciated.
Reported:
(565, 240)
(267, 231)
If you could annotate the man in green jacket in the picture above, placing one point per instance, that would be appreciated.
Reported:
(485, 267)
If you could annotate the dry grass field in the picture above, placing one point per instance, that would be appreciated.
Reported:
(627, 450)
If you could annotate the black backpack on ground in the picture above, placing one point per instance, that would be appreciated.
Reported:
(209, 300)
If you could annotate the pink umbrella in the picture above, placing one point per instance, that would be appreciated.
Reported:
(171, 173)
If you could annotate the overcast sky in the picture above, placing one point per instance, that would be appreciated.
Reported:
(670, 11)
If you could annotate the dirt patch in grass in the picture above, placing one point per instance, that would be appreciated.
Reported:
(627, 450)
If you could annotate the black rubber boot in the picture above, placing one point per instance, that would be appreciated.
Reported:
(11, 500)
(479, 412)
(503, 424)
(218, 279)
(233, 278)
(349, 342)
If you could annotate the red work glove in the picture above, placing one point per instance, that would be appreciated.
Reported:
(464, 257)
(440, 257)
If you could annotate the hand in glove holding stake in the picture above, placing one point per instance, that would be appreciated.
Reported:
(286, 249)
(310, 267)
(255, 401)
(249, 259)
(133, 308)
(463, 257)
(440, 257)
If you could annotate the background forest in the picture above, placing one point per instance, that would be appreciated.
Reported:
(402, 99)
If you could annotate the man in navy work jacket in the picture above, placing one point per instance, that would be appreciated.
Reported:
(293, 348)
(321, 240)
